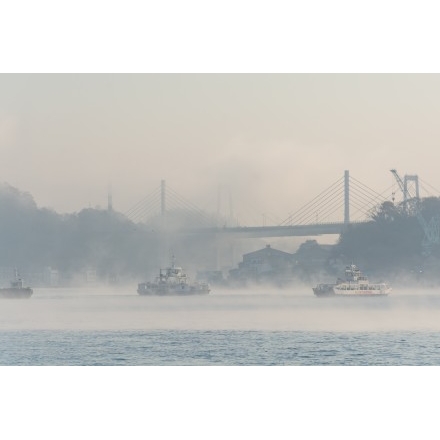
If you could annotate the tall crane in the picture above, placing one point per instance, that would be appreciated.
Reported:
(431, 229)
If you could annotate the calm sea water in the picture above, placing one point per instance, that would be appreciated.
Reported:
(256, 327)
(219, 347)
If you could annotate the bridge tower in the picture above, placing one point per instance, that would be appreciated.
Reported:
(346, 197)
(410, 188)
(431, 229)
(164, 233)
(162, 199)
(225, 217)
(407, 192)
(109, 198)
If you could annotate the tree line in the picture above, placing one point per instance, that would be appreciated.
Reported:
(32, 238)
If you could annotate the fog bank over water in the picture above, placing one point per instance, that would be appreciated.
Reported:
(261, 309)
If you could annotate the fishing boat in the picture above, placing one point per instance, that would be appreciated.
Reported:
(16, 290)
(355, 284)
(173, 281)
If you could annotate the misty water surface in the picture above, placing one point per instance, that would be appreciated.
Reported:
(252, 309)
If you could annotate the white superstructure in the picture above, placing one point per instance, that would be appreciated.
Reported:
(355, 284)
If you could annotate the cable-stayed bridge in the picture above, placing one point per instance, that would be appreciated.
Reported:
(346, 201)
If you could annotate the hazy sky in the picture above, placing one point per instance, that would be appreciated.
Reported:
(275, 140)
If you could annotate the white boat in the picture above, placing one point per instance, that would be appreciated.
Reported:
(355, 284)
(173, 281)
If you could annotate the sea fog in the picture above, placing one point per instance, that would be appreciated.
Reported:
(258, 308)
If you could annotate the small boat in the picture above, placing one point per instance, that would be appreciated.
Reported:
(173, 281)
(355, 284)
(17, 290)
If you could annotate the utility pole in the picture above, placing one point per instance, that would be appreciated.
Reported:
(164, 232)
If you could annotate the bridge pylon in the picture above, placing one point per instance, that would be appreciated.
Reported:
(346, 197)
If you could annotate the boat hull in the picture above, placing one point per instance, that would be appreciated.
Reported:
(324, 290)
(349, 295)
(145, 289)
(334, 291)
(25, 292)
(358, 292)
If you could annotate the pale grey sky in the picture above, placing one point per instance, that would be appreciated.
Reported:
(276, 140)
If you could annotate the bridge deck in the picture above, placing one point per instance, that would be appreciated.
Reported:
(277, 231)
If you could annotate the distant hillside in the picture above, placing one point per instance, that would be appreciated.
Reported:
(32, 238)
